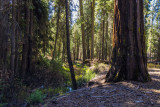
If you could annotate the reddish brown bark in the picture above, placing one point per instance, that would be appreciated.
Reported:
(128, 56)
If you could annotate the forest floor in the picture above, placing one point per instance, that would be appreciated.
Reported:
(97, 93)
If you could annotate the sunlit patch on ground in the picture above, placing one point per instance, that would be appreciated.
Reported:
(121, 94)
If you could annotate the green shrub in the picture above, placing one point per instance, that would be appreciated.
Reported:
(151, 65)
(44, 62)
(60, 90)
(57, 65)
(88, 74)
(55, 91)
(80, 81)
(66, 73)
(99, 67)
(48, 91)
(36, 97)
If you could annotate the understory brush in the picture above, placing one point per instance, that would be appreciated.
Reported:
(99, 67)
(86, 75)
(151, 65)
(51, 78)
(36, 97)
(48, 73)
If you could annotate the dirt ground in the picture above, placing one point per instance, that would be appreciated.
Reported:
(97, 93)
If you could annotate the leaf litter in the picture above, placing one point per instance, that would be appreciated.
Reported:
(121, 94)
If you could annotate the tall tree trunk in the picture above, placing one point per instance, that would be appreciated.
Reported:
(88, 48)
(64, 49)
(82, 29)
(18, 9)
(4, 16)
(59, 48)
(13, 38)
(74, 55)
(12, 62)
(100, 40)
(57, 31)
(78, 43)
(106, 49)
(68, 49)
(128, 56)
(92, 39)
(103, 28)
(110, 50)
(30, 41)
(4, 26)
(26, 41)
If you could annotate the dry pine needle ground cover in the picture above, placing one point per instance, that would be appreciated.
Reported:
(97, 93)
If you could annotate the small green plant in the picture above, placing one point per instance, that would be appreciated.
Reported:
(48, 91)
(87, 75)
(99, 68)
(151, 65)
(55, 91)
(60, 90)
(36, 97)
(44, 62)
(57, 65)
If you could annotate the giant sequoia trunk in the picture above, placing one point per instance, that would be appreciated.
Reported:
(128, 56)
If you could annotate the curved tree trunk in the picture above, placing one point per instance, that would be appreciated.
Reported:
(68, 48)
(128, 56)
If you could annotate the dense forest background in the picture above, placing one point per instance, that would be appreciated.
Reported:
(37, 38)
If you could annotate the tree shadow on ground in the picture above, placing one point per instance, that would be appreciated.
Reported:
(120, 94)
(135, 93)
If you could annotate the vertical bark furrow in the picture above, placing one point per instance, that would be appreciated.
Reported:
(128, 56)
